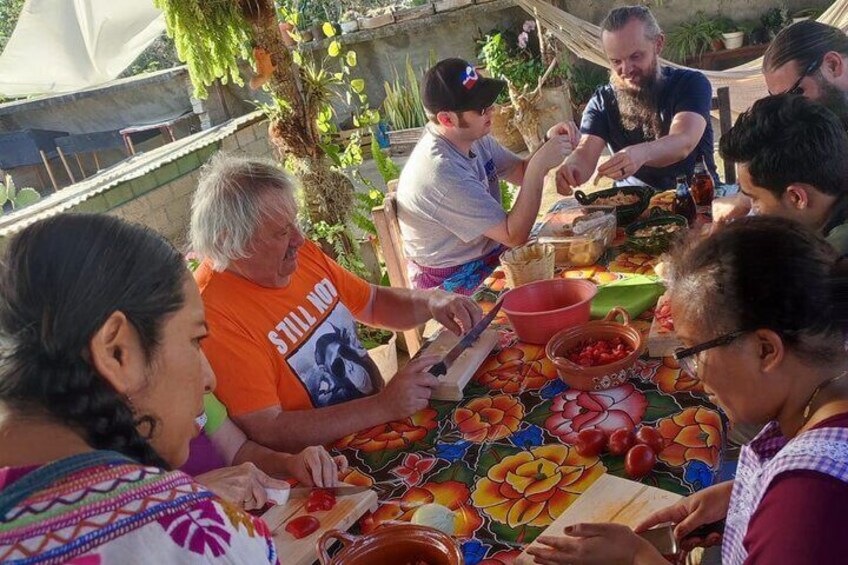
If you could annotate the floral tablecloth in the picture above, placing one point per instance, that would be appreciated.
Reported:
(503, 457)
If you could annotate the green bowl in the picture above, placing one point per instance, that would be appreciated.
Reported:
(625, 214)
(660, 242)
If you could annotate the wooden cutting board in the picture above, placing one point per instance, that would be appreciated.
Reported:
(452, 384)
(304, 551)
(609, 499)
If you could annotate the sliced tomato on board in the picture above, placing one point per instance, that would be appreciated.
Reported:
(302, 526)
(320, 500)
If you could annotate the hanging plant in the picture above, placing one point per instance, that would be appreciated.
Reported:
(211, 36)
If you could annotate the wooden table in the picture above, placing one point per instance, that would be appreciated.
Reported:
(503, 456)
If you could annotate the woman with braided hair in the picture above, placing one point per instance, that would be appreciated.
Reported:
(101, 382)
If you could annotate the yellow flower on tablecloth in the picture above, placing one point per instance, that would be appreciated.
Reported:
(694, 434)
(534, 487)
(356, 477)
(595, 273)
(670, 379)
(517, 369)
(452, 494)
(392, 435)
(489, 418)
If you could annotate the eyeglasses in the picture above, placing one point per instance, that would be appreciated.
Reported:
(687, 357)
(811, 68)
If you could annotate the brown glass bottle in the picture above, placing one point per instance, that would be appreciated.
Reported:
(684, 204)
(703, 187)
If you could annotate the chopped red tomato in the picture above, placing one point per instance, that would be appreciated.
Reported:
(302, 526)
(663, 317)
(599, 352)
(319, 500)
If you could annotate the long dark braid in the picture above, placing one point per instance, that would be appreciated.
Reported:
(61, 280)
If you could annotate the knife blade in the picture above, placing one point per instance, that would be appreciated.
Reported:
(299, 493)
(441, 368)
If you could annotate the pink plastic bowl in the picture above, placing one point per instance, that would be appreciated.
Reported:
(539, 310)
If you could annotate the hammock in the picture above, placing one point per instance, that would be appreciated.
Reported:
(582, 38)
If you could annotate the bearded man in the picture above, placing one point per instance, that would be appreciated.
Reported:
(655, 119)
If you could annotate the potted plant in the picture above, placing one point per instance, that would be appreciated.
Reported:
(349, 23)
(377, 17)
(774, 20)
(382, 348)
(732, 35)
(584, 78)
(403, 108)
(412, 9)
(692, 39)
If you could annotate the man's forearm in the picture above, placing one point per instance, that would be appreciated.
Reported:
(398, 308)
(273, 463)
(292, 431)
(667, 150)
(523, 214)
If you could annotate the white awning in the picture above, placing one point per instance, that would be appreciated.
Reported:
(67, 45)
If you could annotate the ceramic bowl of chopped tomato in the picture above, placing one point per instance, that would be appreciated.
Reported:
(597, 355)
(404, 544)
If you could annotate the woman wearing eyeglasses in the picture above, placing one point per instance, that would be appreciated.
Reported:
(760, 307)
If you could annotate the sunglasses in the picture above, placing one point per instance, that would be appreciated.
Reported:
(687, 357)
(811, 68)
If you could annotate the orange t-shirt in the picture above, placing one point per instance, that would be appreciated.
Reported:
(293, 347)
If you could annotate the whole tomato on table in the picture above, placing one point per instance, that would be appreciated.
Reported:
(621, 441)
(591, 443)
(639, 461)
(652, 438)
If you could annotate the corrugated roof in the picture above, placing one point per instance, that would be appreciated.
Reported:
(136, 166)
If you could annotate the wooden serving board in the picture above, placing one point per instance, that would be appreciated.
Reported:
(661, 342)
(304, 551)
(452, 384)
(609, 499)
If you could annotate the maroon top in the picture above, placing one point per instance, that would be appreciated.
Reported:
(801, 518)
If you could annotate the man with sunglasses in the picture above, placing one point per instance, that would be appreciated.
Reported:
(451, 218)
(809, 59)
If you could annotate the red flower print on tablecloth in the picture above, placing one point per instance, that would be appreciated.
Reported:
(608, 410)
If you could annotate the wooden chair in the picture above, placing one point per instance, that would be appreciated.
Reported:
(721, 102)
(391, 244)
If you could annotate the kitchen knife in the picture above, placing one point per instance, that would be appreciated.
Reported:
(662, 538)
(441, 368)
(299, 493)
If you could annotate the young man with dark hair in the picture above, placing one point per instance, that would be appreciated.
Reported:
(449, 202)
(654, 119)
(791, 159)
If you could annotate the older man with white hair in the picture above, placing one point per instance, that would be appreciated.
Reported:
(282, 338)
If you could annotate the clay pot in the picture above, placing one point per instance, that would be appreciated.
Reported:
(391, 544)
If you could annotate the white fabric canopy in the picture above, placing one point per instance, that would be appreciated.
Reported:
(67, 45)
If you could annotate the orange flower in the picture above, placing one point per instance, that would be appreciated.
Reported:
(694, 434)
(356, 478)
(392, 435)
(596, 273)
(671, 379)
(534, 487)
(517, 369)
(489, 418)
(452, 494)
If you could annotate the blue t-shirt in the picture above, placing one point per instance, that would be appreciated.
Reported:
(683, 91)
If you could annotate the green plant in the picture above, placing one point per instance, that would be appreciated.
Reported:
(372, 337)
(337, 237)
(515, 57)
(18, 198)
(402, 105)
(385, 166)
(584, 78)
(221, 24)
(775, 19)
(508, 194)
(691, 39)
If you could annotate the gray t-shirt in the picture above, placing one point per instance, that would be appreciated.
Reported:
(447, 200)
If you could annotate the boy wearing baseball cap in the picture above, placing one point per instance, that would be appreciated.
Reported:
(449, 202)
